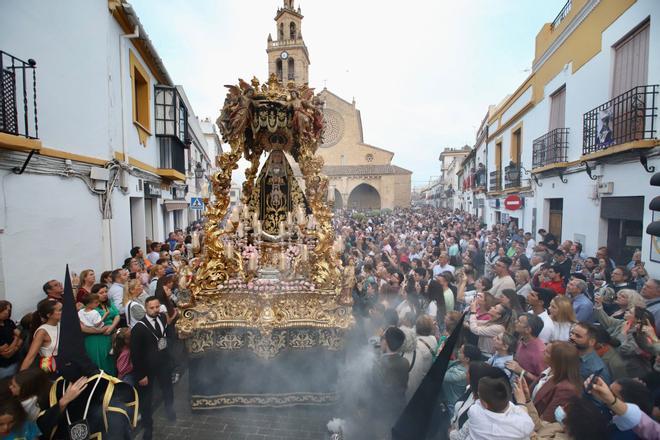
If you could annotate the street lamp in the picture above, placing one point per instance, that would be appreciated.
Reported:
(199, 171)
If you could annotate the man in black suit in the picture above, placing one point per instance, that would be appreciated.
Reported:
(389, 383)
(151, 362)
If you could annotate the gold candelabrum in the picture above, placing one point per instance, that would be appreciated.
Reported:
(258, 118)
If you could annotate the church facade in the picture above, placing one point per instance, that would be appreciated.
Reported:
(362, 175)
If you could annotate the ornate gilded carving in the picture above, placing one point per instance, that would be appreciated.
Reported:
(258, 118)
(270, 400)
(266, 345)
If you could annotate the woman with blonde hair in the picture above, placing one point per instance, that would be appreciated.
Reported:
(523, 284)
(156, 271)
(627, 299)
(87, 280)
(563, 317)
(134, 297)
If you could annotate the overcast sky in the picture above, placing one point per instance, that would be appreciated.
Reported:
(422, 72)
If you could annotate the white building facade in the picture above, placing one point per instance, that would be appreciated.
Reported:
(96, 162)
(576, 143)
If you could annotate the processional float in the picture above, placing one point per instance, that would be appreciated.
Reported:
(265, 312)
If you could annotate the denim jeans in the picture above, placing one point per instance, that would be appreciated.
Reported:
(8, 371)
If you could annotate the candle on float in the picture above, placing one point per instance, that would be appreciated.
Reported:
(234, 217)
(289, 218)
(252, 262)
(258, 229)
(300, 215)
(240, 230)
(282, 229)
(331, 193)
(246, 212)
(304, 253)
(229, 250)
(283, 262)
(255, 219)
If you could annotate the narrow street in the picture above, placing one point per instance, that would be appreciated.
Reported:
(294, 423)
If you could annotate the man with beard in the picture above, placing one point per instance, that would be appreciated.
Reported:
(583, 336)
(151, 362)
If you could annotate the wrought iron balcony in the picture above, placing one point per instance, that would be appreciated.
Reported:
(550, 148)
(628, 117)
(480, 178)
(18, 96)
(512, 176)
(495, 181)
(562, 14)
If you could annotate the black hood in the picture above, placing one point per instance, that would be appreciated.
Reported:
(72, 360)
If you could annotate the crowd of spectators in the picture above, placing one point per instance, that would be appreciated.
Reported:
(555, 343)
(110, 306)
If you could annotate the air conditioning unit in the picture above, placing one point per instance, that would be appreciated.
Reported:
(605, 188)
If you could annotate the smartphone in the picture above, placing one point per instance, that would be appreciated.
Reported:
(590, 385)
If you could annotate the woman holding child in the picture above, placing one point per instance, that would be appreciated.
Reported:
(98, 320)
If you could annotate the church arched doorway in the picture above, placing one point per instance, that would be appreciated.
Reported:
(364, 196)
(339, 202)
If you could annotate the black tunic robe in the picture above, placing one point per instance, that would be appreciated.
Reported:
(112, 414)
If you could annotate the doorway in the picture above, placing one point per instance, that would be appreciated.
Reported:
(624, 217)
(556, 217)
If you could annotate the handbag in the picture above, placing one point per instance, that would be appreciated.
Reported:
(47, 363)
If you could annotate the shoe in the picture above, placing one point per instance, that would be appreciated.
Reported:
(175, 378)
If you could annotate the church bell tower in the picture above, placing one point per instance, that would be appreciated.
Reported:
(287, 54)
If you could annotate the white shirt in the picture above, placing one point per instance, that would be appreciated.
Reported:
(514, 423)
(153, 257)
(437, 269)
(90, 318)
(529, 250)
(501, 283)
(116, 296)
(156, 322)
(432, 309)
(561, 331)
(548, 327)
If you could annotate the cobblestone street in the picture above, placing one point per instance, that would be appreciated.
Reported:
(238, 423)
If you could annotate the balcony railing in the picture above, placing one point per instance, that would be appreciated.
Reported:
(18, 96)
(550, 148)
(562, 14)
(495, 181)
(480, 178)
(288, 42)
(172, 154)
(512, 176)
(628, 117)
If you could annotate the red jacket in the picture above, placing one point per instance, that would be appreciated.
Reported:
(550, 396)
(556, 286)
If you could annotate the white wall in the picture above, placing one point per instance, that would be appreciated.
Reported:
(582, 215)
(72, 85)
(48, 222)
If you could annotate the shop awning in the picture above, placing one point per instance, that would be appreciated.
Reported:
(175, 205)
